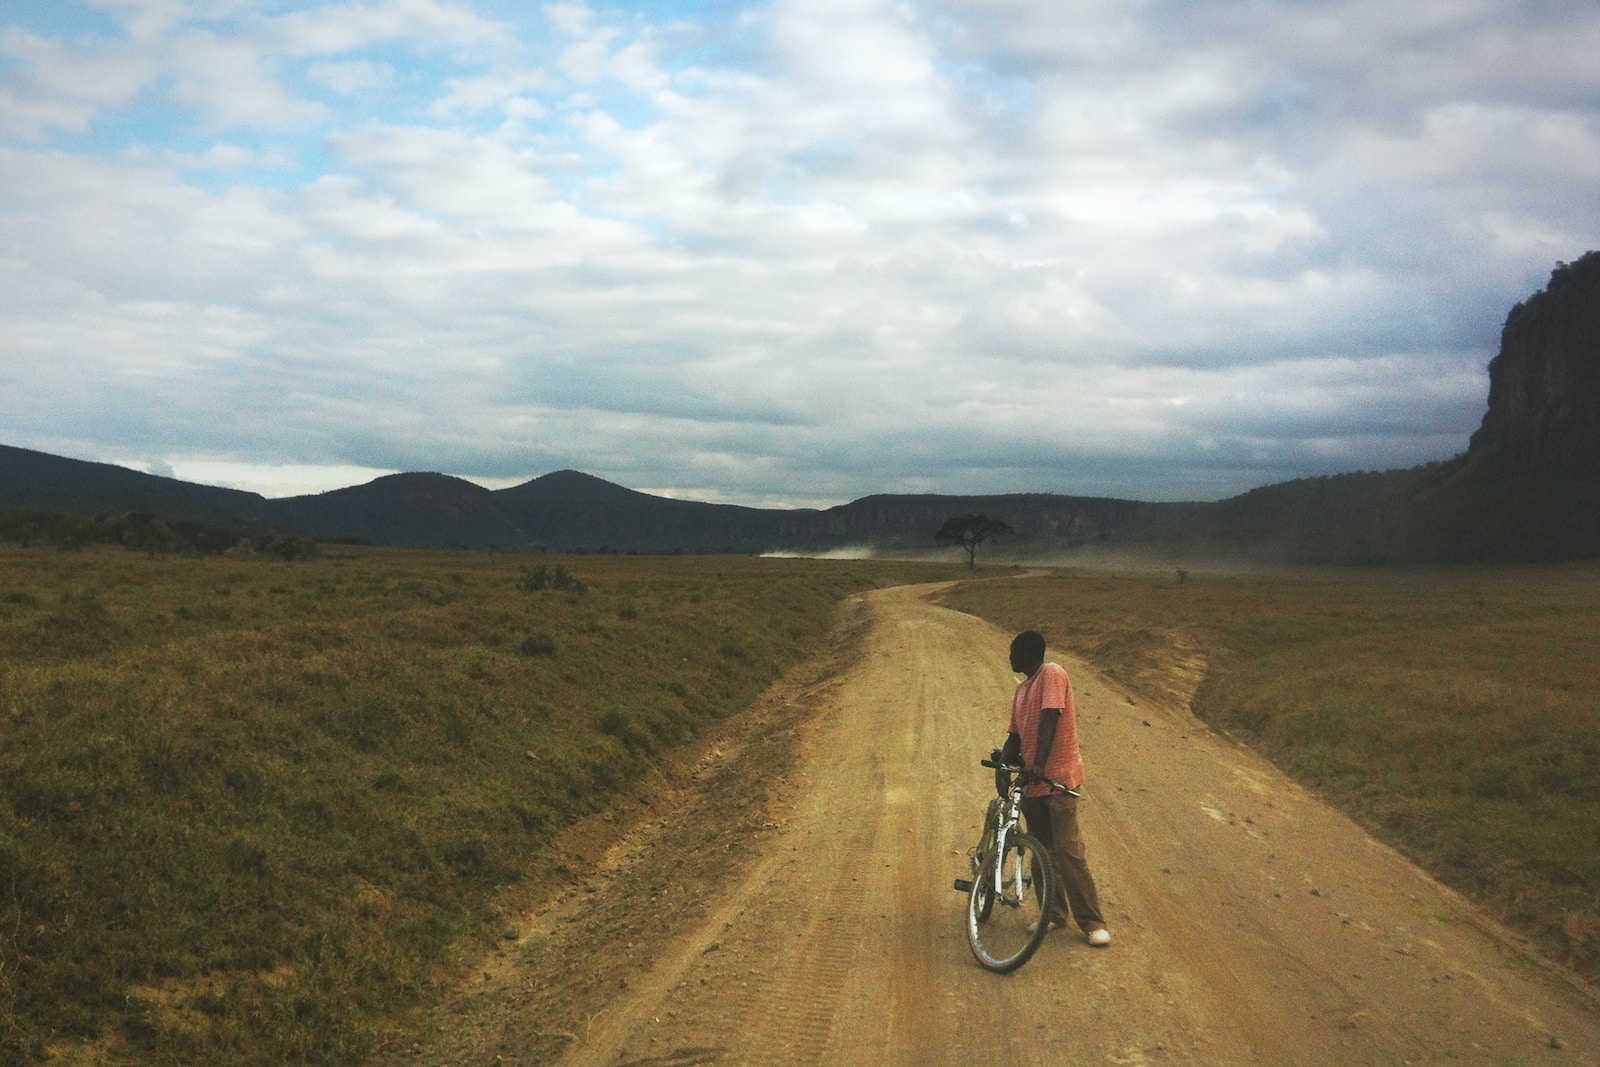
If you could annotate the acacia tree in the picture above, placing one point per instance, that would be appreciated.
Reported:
(970, 531)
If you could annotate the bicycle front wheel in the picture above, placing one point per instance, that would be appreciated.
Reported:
(1006, 914)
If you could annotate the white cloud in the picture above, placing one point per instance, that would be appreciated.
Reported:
(268, 479)
(338, 28)
(572, 19)
(148, 20)
(514, 92)
(351, 76)
(234, 84)
(54, 85)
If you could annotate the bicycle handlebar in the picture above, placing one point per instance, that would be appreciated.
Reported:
(1025, 778)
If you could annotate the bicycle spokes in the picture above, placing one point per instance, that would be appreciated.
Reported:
(1006, 907)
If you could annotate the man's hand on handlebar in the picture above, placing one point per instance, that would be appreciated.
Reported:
(1002, 777)
(1004, 770)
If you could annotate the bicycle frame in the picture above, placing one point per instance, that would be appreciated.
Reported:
(999, 824)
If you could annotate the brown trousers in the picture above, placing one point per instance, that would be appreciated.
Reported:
(1054, 821)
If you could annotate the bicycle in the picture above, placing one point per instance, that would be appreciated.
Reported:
(1012, 878)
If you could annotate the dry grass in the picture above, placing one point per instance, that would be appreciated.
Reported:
(1452, 711)
(251, 812)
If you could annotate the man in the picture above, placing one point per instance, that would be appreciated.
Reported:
(1044, 736)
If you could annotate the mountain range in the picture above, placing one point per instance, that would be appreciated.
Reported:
(1528, 487)
(564, 511)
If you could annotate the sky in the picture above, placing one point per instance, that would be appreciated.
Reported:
(783, 254)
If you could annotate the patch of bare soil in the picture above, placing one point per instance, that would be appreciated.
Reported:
(784, 898)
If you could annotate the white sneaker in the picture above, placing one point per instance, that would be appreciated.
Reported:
(1100, 938)
(1035, 925)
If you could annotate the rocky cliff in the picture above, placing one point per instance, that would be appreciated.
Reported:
(1544, 386)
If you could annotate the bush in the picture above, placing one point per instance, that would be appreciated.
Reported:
(151, 534)
(538, 645)
(547, 577)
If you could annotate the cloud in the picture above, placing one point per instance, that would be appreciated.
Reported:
(150, 20)
(422, 25)
(352, 76)
(54, 85)
(788, 251)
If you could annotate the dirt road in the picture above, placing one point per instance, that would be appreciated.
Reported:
(787, 900)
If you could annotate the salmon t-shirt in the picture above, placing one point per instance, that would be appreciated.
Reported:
(1048, 688)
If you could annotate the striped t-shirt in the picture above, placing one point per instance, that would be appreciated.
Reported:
(1048, 688)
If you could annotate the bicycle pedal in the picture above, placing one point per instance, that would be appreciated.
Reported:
(963, 885)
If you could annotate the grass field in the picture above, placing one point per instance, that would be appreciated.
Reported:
(253, 811)
(1453, 712)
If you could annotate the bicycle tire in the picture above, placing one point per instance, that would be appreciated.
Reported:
(998, 927)
(991, 826)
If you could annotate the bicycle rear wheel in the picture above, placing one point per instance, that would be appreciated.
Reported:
(1005, 925)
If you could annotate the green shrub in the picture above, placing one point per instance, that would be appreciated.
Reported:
(551, 577)
(538, 645)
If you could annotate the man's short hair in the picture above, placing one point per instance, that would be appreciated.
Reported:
(1030, 643)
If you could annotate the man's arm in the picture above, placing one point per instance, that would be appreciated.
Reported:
(1045, 740)
(1011, 752)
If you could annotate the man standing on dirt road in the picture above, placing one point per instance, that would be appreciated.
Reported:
(1044, 733)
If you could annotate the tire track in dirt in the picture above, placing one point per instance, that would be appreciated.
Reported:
(787, 1019)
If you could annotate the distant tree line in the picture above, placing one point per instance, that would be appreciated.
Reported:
(1464, 510)
(152, 534)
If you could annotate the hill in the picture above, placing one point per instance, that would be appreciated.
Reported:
(402, 509)
(569, 510)
(30, 479)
